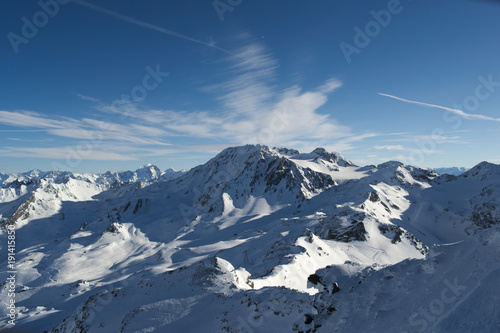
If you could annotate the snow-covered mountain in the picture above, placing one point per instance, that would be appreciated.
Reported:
(145, 173)
(258, 239)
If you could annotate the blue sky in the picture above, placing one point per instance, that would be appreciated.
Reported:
(93, 86)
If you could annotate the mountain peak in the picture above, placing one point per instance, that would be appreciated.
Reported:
(320, 151)
(389, 164)
(287, 151)
(332, 157)
(483, 170)
(148, 166)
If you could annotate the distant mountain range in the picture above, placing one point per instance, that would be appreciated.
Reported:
(145, 173)
(257, 239)
(455, 171)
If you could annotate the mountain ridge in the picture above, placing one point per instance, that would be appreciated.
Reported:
(268, 227)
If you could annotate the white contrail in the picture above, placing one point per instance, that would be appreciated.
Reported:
(456, 111)
(22, 130)
(143, 24)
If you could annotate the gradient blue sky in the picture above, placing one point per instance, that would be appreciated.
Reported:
(270, 72)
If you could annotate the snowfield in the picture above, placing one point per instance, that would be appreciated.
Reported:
(258, 239)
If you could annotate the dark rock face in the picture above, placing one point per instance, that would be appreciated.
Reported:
(114, 228)
(287, 151)
(396, 233)
(345, 226)
(485, 209)
(336, 288)
(318, 181)
(277, 171)
(284, 170)
(423, 175)
(355, 232)
(22, 211)
(485, 216)
(205, 272)
(18, 183)
(373, 197)
(314, 279)
(138, 206)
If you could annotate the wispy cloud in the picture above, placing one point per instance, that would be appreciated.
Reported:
(19, 131)
(444, 137)
(30, 140)
(347, 143)
(456, 111)
(87, 98)
(208, 148)
(62, 153)
(437, 138)
(388, 147)
(143, 24)
(31, 119)
(84, 129)
(252, 109)
(330, 86)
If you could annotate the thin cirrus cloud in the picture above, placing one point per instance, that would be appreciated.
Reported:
(31, 119)
(347, 143)
(143, 24)
(418, 139)
(83, 129)
(455, 111)
(62, 153)
(390, 147)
